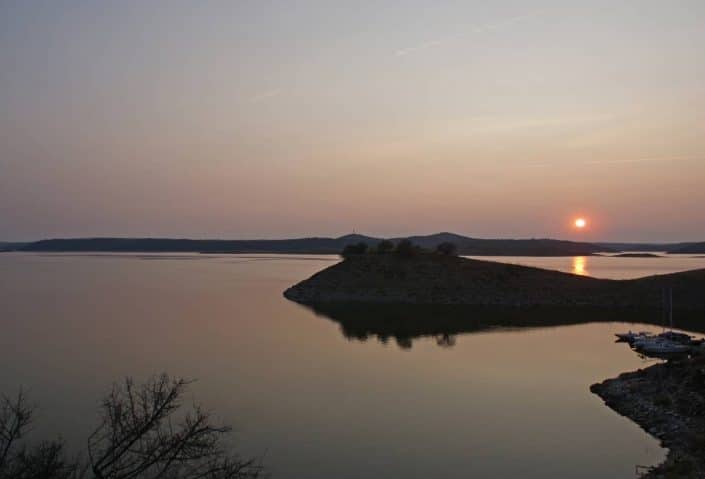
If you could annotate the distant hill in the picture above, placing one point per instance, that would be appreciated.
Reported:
(10, 246)
(466, 245)
(666, 247)
(166, 245)
(691, 248)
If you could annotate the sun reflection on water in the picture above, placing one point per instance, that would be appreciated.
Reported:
(580, 265)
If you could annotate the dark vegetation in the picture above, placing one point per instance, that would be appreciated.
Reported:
(447, 248)
(354, 249)
(385, 246)
(144, 432)
(465, 245)
(404, 248)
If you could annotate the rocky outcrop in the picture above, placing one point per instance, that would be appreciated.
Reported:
(668, 401)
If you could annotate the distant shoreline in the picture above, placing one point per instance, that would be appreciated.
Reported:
(466, 246)
(312, 245)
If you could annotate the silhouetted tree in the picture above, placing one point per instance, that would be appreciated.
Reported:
(447, 248)
(20, 461)
(385, 246)
(405, 248)
(354, 249)
(404, 342)
(144, 433)
(446, 340)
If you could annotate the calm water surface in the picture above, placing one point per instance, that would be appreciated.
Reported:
(609, 267)
(500, 403)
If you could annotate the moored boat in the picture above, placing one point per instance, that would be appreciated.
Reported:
(680, 338)
(660, 347)
(630, 336)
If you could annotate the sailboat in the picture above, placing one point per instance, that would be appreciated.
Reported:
(661, 347)
(630, 336)
(672, 335)
(668, 343)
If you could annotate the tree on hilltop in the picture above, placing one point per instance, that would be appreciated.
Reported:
(354, 249)
(447, 248)
(406, 249)
(385, 246)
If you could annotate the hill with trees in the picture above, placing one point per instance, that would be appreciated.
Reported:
(411, 275)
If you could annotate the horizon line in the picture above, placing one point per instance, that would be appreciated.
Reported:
(184, 238)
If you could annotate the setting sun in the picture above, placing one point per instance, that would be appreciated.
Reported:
(580, 223)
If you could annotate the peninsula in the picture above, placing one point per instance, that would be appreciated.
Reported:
(433, 278)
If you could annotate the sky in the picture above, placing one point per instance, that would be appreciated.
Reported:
(264, 119)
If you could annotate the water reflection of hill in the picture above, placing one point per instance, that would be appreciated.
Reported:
(404, 323)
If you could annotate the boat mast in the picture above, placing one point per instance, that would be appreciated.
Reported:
(663, 310)
(670, 307)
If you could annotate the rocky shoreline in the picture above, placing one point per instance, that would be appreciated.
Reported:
(668, 401)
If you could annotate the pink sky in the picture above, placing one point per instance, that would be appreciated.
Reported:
(221, 119)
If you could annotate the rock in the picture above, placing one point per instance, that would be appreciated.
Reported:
(636, 396)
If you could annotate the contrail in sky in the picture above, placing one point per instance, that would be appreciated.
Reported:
(612, 162)
(476, 29)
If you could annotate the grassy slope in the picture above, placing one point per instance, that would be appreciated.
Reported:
(433, 279)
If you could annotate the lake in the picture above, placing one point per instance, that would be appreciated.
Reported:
(500, 402)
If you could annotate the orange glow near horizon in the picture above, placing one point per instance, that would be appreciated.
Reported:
(580, 223)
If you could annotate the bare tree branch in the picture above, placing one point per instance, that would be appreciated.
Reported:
(15, 417)
(17, 461)
(144, 433)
